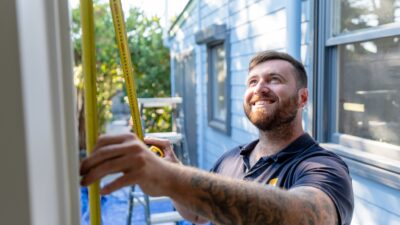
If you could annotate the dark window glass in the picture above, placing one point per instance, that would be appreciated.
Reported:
(352, 15)
(369, 89)
(218, 77)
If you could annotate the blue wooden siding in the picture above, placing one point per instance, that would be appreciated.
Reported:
(255, 26)
(375, 204)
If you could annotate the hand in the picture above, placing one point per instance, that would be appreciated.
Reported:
(126, 154)
(165, 146)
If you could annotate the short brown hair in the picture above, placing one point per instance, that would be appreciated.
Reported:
(264, 56)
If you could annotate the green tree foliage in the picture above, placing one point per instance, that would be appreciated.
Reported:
(151, 65)
(150, 57)
(150, 61)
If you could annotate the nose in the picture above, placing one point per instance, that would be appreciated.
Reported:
(261, 88)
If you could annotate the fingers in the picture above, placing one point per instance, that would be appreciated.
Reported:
(125, 180)
(120, 164)
(109, 139)
(118, 153)
(161, 143)
(165, 145)
(105, 153)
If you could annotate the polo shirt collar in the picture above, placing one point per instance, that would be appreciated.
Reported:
(300, 144)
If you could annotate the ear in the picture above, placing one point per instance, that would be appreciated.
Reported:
(302, 97)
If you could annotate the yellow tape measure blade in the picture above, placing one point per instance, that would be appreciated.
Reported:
(157, 151)
(126, 63)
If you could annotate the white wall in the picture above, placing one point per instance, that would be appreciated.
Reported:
(14, 193)
(40, 170)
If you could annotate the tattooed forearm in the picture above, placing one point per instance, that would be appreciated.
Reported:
(227, 202)
(317, 207)
(240, 205)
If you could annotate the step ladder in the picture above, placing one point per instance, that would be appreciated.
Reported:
(154, 218)
(177, 138)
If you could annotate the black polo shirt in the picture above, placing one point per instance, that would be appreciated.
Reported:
(302, 163)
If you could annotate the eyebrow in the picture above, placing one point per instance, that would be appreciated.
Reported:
(279, 75)
(266, 74)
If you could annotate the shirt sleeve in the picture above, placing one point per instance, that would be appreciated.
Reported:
(329, 174)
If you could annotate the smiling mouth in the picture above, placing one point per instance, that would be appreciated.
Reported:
(262, 102)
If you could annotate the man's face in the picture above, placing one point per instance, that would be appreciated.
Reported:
(271, 97)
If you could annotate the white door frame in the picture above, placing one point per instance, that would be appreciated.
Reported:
(48, 109)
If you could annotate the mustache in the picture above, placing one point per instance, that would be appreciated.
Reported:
(263, 97)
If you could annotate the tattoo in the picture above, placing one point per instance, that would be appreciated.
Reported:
(239, 206)
(248, 203)
(318, 207)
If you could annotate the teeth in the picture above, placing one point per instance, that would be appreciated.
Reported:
(262, 102)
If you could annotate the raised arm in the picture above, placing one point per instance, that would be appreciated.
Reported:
(211, 197)
(230, 201)
(170, 156)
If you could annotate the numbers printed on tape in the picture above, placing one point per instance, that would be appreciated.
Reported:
(126, 63)
(127, 68)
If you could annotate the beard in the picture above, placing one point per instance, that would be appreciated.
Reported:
(276, 116)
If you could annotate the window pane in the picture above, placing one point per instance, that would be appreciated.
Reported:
(218, 82)
(369, 91)
(353, 15)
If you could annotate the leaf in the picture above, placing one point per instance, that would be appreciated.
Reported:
(150, 61)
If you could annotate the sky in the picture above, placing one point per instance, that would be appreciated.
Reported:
(151, 7)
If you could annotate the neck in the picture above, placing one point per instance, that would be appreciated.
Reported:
(273, 141)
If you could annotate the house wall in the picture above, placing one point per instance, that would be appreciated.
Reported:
(255, 26)
(375, 203)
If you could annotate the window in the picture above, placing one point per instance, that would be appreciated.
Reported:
(356, 15)
(218, 92)
(358, 82)
(217, 83)
(218, 100)
(369, 89)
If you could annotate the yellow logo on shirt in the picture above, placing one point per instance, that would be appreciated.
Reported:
(273, 181)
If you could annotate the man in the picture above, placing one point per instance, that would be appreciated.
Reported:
(285, 177)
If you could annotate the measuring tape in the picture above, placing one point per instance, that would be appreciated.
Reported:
(89, 69)
(127, 68)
